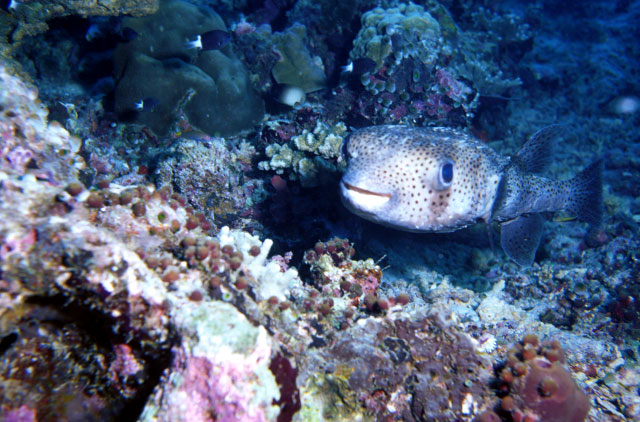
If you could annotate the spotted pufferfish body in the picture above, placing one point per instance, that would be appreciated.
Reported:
(441, 179)
(395, 177)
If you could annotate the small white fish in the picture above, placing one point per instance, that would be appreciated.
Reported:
(348, 67)
(360, 66)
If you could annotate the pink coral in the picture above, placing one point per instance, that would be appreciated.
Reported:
(124, 366)
(220, 391)
(453, 88)
(283, 261)
(125, 362)
(369, 284)
(17, 244)
(436, 106)
(21, 414)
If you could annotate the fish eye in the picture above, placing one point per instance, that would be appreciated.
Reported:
(445, 176)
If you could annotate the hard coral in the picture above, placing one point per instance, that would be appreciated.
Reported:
(336, 273)
(296, 66)
(412, 81)
(33, 16)
(28, 144)
(311, 157)
(212, 87)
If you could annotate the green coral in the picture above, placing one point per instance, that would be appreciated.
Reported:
(317, 398)
(281, 157)
(476, 64)
(309, 156)
(414, 32)
(480, 48)
(297, 67)
(448, 26)
(428, 34)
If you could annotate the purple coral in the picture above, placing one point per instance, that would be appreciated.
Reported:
(19, 158)
(453, 88)
(436, 106)
(21, 414)
(221, 391)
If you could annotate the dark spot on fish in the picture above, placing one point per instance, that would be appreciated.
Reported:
(363, 65)
(215, 40)
(128, 34)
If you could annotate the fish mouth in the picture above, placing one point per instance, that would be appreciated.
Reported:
(363, 198)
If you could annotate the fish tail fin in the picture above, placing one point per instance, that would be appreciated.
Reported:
(586, 194)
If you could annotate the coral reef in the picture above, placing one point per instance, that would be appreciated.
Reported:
(539, 387)
(29, 18)
(310, 157)
(296, 66)
(181, 276)
(84, 266)
(397, 368)
(211, 176)
(210, 87)
(29, 142)
(481, 44)
(427, 69)
(217, 377)
(405, 30)
(254, 45)
(411, 82)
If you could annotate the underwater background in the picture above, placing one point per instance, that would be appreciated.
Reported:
(174, 246)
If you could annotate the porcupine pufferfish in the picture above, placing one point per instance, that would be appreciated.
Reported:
(439, 180)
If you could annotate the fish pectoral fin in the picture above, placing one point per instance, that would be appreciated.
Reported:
(520, 238)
